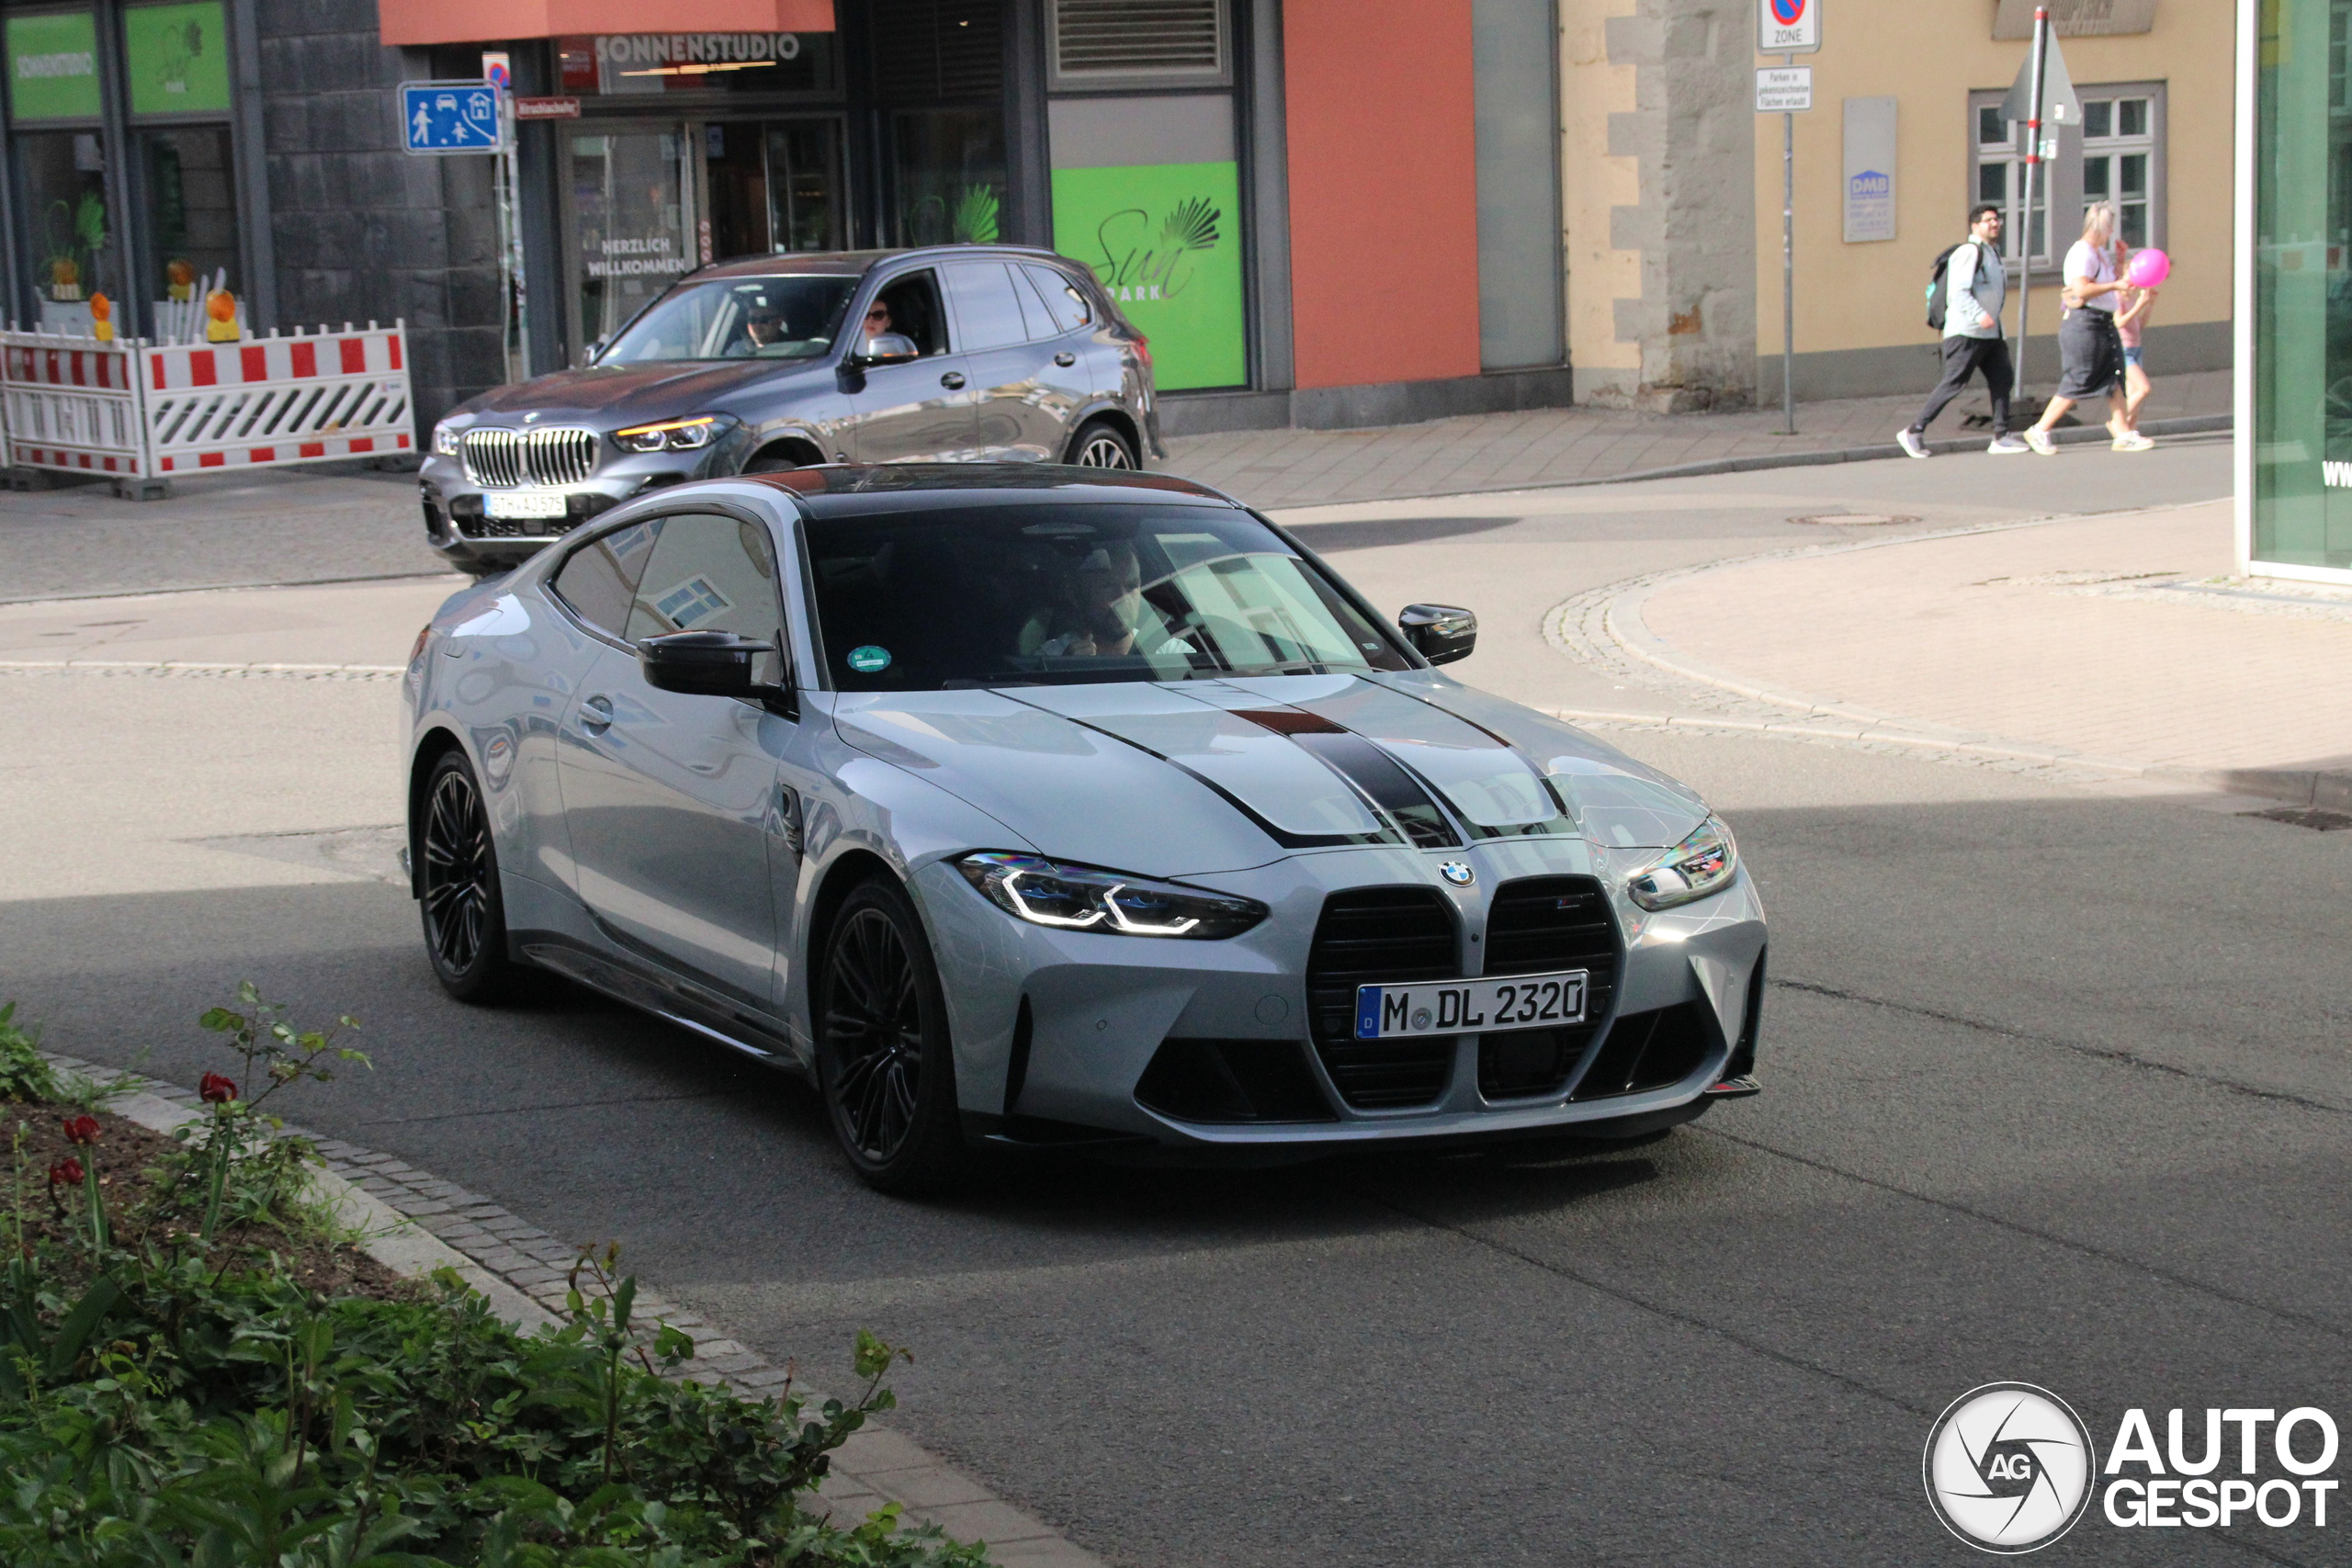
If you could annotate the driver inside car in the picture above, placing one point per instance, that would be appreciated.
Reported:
(1102, 613)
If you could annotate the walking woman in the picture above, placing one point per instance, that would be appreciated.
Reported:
(2088, 349)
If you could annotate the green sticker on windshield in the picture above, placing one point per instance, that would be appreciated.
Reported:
(869, 659)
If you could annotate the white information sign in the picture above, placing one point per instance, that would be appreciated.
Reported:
(1870, 169)
(1788, 27)
(1783, 89)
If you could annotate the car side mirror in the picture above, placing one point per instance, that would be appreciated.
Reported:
(1439, 633)
(705, 664)
(595, 352)
(887, 348)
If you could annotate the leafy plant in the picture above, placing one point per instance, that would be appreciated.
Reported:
(25, 1073)
(975, 217)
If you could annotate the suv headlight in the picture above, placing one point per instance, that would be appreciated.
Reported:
(671, 434)
(445, 439)
(1699, 865)
(1082, 899)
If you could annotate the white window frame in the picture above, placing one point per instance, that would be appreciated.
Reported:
(1061, 81)
(2059, 191)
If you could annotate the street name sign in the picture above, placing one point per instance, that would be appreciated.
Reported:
(546, 107)
(1788, 27)
(442, 117)
(1783, 89)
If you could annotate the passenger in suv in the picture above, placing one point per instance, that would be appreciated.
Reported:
(953, 354)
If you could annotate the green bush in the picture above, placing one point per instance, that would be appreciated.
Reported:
(167, 1402)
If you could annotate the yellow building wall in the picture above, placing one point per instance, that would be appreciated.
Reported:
(1592, 182)
(1930, 54)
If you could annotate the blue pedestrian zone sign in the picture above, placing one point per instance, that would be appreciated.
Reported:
(450, 116)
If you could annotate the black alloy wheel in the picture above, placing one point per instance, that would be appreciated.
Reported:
(1100, 445)
(777, 462)
(882, 1047)
(456, 885)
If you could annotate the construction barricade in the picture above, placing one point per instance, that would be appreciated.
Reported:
(147, 413)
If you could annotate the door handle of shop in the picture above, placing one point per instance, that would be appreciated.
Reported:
(952, 379)
(596, 714)
(1065, 359)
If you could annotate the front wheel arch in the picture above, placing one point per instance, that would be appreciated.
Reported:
(436, 744)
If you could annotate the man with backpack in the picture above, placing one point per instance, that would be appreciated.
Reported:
(1964, 297)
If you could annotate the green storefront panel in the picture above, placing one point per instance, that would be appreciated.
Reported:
(52, 67)
(1165, 241)
(178, 59)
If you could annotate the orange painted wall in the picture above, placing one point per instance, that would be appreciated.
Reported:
(469, 21)
(1383, 190)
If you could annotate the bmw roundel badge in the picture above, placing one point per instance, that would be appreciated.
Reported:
(1458, 872)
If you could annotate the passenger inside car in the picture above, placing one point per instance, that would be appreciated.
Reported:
(1100, 613)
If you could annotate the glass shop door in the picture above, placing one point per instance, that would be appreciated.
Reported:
(774, 185)
(631, 222)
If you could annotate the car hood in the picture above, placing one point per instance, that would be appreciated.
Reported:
(615, 395)
(1219, 775)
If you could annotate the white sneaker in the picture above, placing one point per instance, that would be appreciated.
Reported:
(2133, 441)
(2008, 446)
(1908, 439)
(2038, 440)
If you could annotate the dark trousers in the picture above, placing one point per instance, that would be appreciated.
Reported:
(1963, 357)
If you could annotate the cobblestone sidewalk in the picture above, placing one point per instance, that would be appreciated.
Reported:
(1588, 446)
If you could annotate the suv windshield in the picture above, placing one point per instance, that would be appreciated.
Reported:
(737, 317)
(1006, 596)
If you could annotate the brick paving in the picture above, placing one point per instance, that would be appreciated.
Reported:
(1591, 446)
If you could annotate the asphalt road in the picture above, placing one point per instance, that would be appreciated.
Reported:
(2056, 1092)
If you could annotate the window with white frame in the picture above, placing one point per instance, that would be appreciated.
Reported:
(2117, 154)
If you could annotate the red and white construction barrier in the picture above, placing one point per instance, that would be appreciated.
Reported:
(143, 411)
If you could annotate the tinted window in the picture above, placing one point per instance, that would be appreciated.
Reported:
(909, 307)
(1065, 298)
(709, 574)
(737, 317)
(1013, 596)
(986, 310)
(600, 578)
(1033, 314)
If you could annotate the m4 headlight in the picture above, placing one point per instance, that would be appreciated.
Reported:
(671, 434)
(1699, 865)
(1082, 898)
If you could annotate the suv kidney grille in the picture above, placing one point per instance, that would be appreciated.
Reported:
(1535, 926)
(1369, 937)
(505, 460)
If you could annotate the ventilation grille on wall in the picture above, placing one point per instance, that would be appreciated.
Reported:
(935, 51)
(1138, 38)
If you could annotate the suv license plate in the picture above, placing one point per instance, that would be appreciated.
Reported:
(517, 504)
(1470, 1007)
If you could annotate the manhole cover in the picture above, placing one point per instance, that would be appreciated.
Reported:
(2318, 819)
(1856, 519)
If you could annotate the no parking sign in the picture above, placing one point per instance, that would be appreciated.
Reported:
(1788, 27)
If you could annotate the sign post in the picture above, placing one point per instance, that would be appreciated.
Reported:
(2042, 90)
(1788, 28)
(499, 71)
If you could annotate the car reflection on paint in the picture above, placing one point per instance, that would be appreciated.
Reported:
(1043, 807)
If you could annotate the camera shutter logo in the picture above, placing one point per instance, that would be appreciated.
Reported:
(2009, 1467)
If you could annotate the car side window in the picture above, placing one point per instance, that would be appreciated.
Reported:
(708, 572)
(910, 308)
(600, 578)
(987, 312)
(1063, 297)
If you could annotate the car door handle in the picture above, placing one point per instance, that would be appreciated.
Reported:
(1065, 359)
(952, 379)
(596, 714)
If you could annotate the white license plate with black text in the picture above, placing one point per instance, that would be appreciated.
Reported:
(523, 504)
(1470, 1007)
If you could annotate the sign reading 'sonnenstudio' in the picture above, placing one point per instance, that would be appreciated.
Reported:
(695, 62)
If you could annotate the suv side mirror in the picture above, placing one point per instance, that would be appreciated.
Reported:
(595, 351)
(705, 664)
(887, 348)
(1439, 633)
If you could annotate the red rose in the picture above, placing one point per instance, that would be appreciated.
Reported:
(65, 1173)
(81, 1129)
(216, 1090)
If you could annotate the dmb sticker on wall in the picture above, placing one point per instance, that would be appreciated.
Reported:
(178, 57)
(53, 67)
(1165, 241)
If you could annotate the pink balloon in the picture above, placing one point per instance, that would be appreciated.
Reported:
(2148, 269)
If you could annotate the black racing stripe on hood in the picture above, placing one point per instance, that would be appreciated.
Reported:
(1383, 780)
(1281, 836)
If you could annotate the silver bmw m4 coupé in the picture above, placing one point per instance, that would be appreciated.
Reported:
(1054, 806)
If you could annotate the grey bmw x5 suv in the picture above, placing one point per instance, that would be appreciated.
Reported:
(951, 354)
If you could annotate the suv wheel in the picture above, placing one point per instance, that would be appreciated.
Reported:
(1101, 445)
(883, 1056)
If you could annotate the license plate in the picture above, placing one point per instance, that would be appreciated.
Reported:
(1470, 1007)
(509, 504)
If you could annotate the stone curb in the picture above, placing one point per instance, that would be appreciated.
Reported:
(414, 1222)
(191, 667)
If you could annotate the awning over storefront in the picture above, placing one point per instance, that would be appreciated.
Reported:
(483, 21)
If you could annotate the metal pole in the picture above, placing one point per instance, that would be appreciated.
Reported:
(2032, 163)
(510, 208)
(1788, 267)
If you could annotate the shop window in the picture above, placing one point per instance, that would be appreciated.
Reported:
(631, 198)
(70, 230)
(931, 51)
(949, 175)
(191, 230)
(1128, 43)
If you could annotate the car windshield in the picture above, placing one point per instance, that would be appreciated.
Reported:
(1011, 596)
(736, 318)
